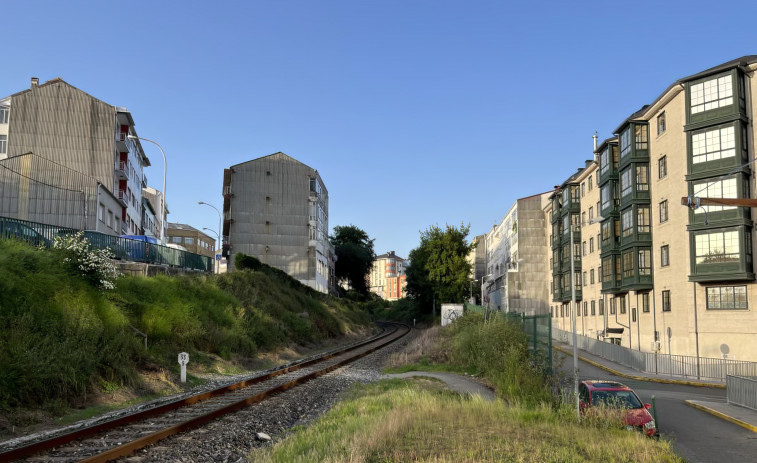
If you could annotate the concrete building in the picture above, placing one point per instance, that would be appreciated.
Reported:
(58, 122)
(387, 277)
(276, 209)
(515, 260)
(192, 239)
(36, 189)
(673, 280)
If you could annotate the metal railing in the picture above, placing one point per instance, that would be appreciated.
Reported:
(662, 364)
(126, 249)
(742, 391)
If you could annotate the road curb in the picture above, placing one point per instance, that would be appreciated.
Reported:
(722, 415)
(640, 378)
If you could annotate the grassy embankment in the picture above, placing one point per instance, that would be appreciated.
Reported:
(417, 420)
(61, 339)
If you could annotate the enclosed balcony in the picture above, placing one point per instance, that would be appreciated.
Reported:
(636, 265)
(633, 143)
(611, 274)
(635, 226)
(722, 254)
(610, 235)
(717, 150)
(609, 199)
(735, 186)
(634, 184)
(608, 162)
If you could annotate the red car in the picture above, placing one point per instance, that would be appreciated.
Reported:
(614, 395)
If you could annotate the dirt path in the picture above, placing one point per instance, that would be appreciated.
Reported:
(458, 383)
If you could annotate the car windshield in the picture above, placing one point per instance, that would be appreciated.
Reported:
(615, 399)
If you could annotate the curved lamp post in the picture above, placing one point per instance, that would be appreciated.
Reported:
(220, 223)
(163, 202)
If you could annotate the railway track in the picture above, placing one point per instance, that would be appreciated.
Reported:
(124, 435)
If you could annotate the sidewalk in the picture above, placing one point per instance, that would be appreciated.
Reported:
(741, 416)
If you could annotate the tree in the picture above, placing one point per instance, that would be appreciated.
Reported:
(355, 256)
(439, 267)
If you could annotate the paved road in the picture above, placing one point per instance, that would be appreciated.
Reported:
(697, 436)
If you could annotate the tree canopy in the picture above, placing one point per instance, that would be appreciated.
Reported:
(355, 256)
(439, 267)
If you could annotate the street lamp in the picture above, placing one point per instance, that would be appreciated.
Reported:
(220, 244)
(574, 308)
(165, 169)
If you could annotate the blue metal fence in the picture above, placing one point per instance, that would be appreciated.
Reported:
(125, 249)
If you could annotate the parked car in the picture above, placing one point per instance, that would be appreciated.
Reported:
(611, 395)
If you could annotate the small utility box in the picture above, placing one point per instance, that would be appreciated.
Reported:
(183, 360)
(450, 312)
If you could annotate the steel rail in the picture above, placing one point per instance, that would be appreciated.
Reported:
(56, 441)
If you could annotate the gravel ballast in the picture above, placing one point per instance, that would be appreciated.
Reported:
(231, 438)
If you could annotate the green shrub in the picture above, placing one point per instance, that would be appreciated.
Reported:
(497, 348)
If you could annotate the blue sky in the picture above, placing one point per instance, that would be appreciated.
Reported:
(414, 112)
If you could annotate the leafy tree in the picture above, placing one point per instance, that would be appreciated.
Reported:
(355, 256)
(439, 267)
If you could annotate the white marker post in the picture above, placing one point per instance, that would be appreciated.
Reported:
(183, 360)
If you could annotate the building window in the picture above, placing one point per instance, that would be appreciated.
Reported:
(726, 298)
(718, 247)
(666, 300)
(583, 189)
(664, 256)
(716, 189)
(711, 94)
(584, 278)
(641, 137)
(176, 239)
(593, 309)
(4, 112)
(601, 307)
(591, 244)
(662, 167)
(664, 211)
(627, 258)
(599, 274)
(606, 196)
(625, 183)
(591, 275)
(627, 222)
(583, 246)
(591, 213)
(188, 240)
(645, 264)
(661, 123)
(642, 178)
(713, 145)
(3, 144)
(591, 182)
(622, 305)
(625, 142)
(586, 306)
(643, 220)
(613, 304)
(645, 302)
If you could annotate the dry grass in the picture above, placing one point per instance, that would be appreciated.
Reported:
(426, 346)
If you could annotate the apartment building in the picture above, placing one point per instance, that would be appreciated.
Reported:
(515, 259)
(276, 209)
(60, 123)
(192, 239)
(387, 276)
(667, 278)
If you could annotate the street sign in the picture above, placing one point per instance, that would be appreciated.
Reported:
(218, 257)
(183, 360)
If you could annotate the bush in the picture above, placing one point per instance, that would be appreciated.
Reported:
(498, 349)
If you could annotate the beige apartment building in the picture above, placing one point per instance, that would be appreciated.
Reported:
(387, 276)
(652, 274)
